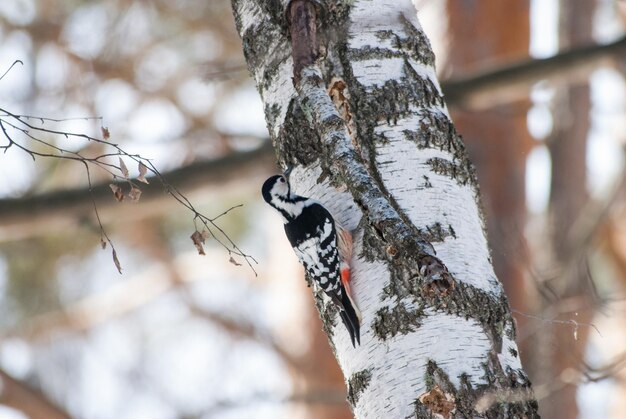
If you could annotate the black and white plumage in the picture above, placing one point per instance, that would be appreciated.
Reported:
(325, 254)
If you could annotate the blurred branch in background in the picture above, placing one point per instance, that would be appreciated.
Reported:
(169, 79)
(513, 82)
(22, 124)
(58, 210)
(22, 397)
(311, 398)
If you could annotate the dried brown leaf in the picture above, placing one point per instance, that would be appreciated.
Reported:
(105, 133)
(117, 192)
(134, 194)
(143, 169)
(198, 240)
(116, 261)
(205, 233)
(234, 262)
(103, 243)
(123, 168)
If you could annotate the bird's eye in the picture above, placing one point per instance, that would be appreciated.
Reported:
(282, 180)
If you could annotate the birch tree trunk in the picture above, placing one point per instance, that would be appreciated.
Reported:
(352, 101)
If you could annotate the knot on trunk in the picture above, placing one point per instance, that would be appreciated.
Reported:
(438, 402)
(437, 279)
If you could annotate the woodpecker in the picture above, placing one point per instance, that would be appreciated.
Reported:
(322, 245)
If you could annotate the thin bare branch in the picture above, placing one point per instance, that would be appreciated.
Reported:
(22, 124)
(20, 217)
(10, 67)
(570, 322)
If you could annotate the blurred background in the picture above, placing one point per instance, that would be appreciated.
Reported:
(179, 335)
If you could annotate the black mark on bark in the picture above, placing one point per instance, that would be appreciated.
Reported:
(357, 384)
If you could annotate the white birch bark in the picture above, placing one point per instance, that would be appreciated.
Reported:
(437, 334)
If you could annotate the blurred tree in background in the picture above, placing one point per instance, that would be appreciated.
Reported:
(179, 335)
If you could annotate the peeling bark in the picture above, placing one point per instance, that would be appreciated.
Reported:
(435, 318)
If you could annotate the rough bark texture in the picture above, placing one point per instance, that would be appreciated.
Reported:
(370, 137)
(492, 34)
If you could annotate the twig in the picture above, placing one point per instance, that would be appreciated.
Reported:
(21, 217)
(10, 67)
(569, 322)
(22, 124)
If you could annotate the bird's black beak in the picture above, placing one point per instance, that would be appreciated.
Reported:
(288, 172)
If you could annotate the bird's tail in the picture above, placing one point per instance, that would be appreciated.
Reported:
(351, 317)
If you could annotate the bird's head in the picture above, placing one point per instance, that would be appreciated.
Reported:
(275, 189)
